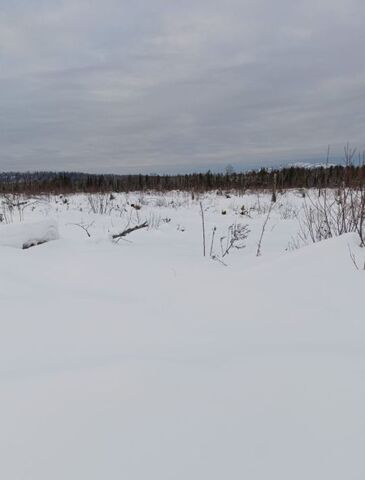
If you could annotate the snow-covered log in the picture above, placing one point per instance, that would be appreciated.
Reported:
(26, 235)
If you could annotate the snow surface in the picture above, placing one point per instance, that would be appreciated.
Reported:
(145, 360)
(25, 235)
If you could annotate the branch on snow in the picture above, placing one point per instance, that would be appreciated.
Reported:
(127, 231)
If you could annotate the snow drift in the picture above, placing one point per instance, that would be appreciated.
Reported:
(26, 235)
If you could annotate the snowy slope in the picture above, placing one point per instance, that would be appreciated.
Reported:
(146, 360)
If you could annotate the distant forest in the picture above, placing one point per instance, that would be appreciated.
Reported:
(285, 178)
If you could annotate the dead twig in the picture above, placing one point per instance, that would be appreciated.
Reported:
(84, 227)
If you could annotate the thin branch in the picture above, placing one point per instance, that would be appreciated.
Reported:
(84, 227)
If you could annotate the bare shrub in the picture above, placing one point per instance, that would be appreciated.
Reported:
(259, 207)
(287, 211)
(235, 238)
(293, 244)
(161, 201)
(100, 203)
(333, 214)
(13, 204)
(155, 220)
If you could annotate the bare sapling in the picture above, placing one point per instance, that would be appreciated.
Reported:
(203, 225)
(258, 253)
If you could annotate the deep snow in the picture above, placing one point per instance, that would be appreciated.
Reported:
(143, 359)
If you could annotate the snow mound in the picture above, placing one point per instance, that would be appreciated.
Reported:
(26, 235)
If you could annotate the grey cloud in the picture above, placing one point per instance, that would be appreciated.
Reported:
(172, 86)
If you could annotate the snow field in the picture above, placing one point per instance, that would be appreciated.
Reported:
(143, 359)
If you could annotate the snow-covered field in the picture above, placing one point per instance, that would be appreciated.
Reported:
(143, 359)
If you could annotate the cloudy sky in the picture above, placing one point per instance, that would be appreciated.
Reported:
(164, 85)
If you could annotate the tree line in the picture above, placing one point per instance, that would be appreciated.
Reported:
(285, 178)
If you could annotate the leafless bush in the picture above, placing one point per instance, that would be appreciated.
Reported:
(259, 207)
(100, 203)
(142, 200)
(7, 211)
(293, 244)
(155, 220)
(161, 201)
(14, 205)
(287, 211)
(235, 238)
(333, 214)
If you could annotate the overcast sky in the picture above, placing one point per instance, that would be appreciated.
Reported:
(164, 85)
